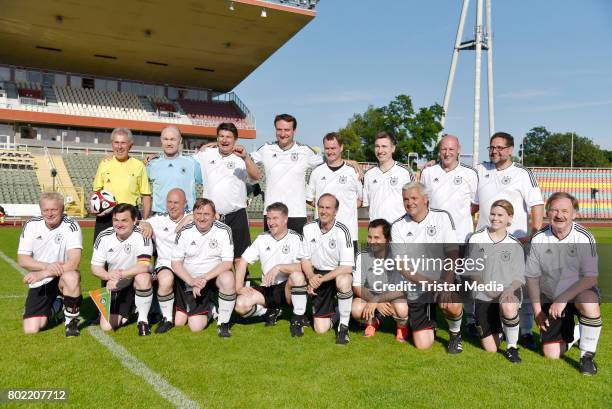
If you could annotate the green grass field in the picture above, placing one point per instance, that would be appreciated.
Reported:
(264, 367)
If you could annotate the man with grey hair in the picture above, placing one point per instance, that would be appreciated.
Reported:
(429, 235)
(124, 176)
(50, 249)
(172, 170)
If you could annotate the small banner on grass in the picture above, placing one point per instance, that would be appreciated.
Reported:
(102, 298)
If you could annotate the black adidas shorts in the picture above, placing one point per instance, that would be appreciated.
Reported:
(323, 301)
(39, 300)
(274, 295)
(185, 302)
(123, 301)
(241, 236)
(559, 329)
(488, 320)
(422, 314)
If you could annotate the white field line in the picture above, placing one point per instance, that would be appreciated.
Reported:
(8, 296)
(133, 364)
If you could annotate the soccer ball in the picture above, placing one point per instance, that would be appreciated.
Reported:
(102, 202)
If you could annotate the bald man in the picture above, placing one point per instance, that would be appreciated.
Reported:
(162, 228)
(172, 170)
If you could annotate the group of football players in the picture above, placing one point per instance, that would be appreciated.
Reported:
(194, 253)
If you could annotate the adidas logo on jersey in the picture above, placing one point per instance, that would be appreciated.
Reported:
(111, 251)
(212, 162)
(193, 243)
(170, 165)
(313, 241)
(274, 156)
(323, 178)
(487, 175)
(166, 229)
(436, 180)
(409, 234)
(267, 248)
(374, 181)
(39, 238)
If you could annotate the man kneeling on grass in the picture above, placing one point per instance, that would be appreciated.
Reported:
(202, 260)
(50, 248)
(121, 258)
(283, 283)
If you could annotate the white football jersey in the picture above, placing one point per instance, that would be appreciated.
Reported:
(561, 263)
(121, 254)
(201, 252)
(326, 251)
(345, 185)
(224, 180)
(453, 191)
(382, 191)
(286, 174)
(503, 261)
(516, 184)
(49, 246)
(273, 252)
(164, 229)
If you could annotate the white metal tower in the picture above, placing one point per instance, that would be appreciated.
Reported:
(483, 40)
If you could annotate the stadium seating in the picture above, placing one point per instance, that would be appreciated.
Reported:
(212, 113)
(580, 182)
(12, 159)
(18, 186)
(82, 169)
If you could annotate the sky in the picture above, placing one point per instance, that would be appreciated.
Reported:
(552, 64)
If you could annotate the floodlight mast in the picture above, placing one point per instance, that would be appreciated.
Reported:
(483, 40)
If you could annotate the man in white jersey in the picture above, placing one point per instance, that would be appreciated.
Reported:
(162, 228)
(283, 282)
(371, 298)
(328, 263)
(503, 179)
(202, 260)
(339, 179)
(452, 186)
(50, 249)
(562, 275)
(382, 184)
(428, 233)
(121, 257)
(285, 164)
(225, 169)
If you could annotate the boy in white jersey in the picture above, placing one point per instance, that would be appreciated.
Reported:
(161, 228)
(370, 297)
(428, 233)
(202, 260)
(225, 169)
(50, 249)
(502, 179)
(562, 275)
(122, 257)
(382, 184)
(501, 266)
(339, 179)
(283, 283)
(328, 262)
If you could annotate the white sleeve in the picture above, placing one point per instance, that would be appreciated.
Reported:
(98, 257)
(25, 241)
(588, 257)
(347, 252)
(145, 248)
(251, 254)
(473, 184)
(257, 156)
(533, 194)
(306, 253)
(178, 249)
(310, 188)
(359, 187)
(365, 201)
(425, 177)
(532, 267)
(448, 229)
(314, 159)
(75, 239)
(518, 263)
(227, 246)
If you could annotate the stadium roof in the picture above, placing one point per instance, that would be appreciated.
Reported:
(201, 44)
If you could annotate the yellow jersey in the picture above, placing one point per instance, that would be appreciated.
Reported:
(127, 180)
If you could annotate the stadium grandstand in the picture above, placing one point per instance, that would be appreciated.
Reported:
(123, 64)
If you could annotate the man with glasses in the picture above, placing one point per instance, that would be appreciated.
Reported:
(503, 179)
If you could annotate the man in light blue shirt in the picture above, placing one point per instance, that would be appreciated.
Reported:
(172, 170)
